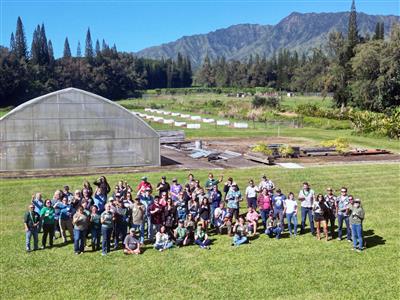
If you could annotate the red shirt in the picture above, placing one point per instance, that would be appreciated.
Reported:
(264, 201)
(143, 185)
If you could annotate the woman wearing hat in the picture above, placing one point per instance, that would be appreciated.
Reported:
(357, 216)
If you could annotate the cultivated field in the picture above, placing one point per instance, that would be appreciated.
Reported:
(301, 268)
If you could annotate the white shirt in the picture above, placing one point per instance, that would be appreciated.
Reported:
(251, 192)
(290, 205)
(308, 197)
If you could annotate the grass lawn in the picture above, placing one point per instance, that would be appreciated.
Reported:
(301, 268)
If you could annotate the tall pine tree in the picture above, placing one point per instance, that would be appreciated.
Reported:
(88, 45)
(78, 50)
(98, 51)
(67, 49)
(12, 42)
(21, 48)
(51, 52)
(35, 46)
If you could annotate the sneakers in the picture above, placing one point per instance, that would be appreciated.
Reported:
(339, 239)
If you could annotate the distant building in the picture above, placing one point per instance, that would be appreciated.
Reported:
(74, 128)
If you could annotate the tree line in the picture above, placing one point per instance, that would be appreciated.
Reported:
(101, 69)
(361, 71)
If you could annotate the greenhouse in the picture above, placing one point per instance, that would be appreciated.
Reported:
(74, 128)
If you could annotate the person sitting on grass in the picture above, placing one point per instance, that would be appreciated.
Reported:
(132, 245)
(201, 237)
(31, 223)
(181, 235)
(357, 216)
(321, 210)
(221, 220)
(240, 232)
(252, 219)
(162, 240)
(273, 227)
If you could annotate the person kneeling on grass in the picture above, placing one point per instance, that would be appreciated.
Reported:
(132, 245)
(240, 232)
(272, 227)
(356, 218)
(181, 235)
(162, 240)
(201, 237)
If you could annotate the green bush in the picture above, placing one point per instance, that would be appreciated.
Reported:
(262, 148)
(286, 151)
(272, 101)
(341, 144)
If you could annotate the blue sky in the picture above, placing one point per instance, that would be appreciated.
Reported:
(136, 24)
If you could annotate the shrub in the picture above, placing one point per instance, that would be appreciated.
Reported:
(341, 144)
(271, 101)
(286, 151)
(262, 148)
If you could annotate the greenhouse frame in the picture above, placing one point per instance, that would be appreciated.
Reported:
(74, 128)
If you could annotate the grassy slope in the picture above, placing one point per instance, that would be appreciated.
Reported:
(286, 269)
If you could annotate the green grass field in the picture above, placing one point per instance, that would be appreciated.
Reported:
(301, 268)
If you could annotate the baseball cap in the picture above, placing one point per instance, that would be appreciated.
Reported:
(163, 177)
(144, 178)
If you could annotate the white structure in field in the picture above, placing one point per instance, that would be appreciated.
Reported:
(74, 128)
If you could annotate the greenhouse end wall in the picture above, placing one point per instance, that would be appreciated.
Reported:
(73, 128)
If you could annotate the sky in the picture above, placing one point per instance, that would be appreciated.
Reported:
(136, 24)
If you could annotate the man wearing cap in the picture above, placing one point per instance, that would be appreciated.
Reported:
(234, 197)
(266, 183)
(307, 197)
(330, 201)
(132, 245)
(357, 216)
(138, 215)
(342, 212)
(143, 185)
(31, 223)
(163, 186)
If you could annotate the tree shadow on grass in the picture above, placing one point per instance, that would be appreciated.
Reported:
(371, 239)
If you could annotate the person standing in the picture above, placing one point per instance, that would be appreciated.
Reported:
(95, 228)
(342, 207)
(81, 223)
(163, 186)
(138, 216)
(278, 201)
(147, 200)
(330, 201)
(291, 213)
(157, 214)
(106, 220)
(211, 181)
(38, 204)
(320, 212)
(234, 197)
(47, 216)
(306, 197)
(251, 195)
(264, 204)
(31, 223)
(65, 218)
(175, 189)
(357, 216)
(120, 222)
(215, 200)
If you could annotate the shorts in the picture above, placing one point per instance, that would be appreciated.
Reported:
(318, 217)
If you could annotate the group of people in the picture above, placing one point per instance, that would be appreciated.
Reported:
(175, 214)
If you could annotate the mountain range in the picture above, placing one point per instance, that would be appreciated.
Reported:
(298, 31)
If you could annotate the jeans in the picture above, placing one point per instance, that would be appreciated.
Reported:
(292, 217)
(120, 233)
(139, 227)
(274, 231)
(344, 218)
(163, 246)
(79, 240)
(106, 236)
(32, 232)
(264, 216)
(356, 230)
(48, 230)
(304, 212)
(201, 243)
(150, 232)
(279, 213)
(238, 240)
(96, 236)
(252, 202)
(331, 221)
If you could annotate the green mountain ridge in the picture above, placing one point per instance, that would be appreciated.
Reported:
(298, 31)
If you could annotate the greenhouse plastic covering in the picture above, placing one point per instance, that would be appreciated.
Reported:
(74, 128)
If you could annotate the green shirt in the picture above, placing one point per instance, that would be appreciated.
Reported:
(47, 214)
(30, 218)
(107, 218)
(357, 214)
(181, 232)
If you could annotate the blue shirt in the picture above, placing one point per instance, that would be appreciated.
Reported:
(277, 201)
(99, 202)
(38, 204)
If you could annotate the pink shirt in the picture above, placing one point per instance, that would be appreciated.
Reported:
(264, 201)
(252, 216)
